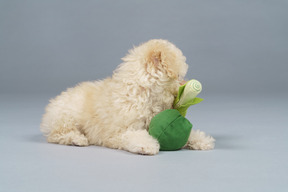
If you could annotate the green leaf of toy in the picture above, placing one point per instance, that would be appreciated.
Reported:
(183, 108)
(180, 91)
(196, 100)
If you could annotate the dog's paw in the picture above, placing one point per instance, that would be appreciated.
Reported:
(140, 142)
(80, 141)
(147, 149)
(199, 141)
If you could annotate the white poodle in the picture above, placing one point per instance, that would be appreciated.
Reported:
(116, 112)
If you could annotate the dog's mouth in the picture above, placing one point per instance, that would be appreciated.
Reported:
(182, 82)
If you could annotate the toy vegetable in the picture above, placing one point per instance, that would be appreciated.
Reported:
(170, 127)
(187, 96)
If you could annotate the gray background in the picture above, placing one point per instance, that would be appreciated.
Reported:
(237, 49)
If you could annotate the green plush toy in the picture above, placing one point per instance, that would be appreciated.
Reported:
(170, 127)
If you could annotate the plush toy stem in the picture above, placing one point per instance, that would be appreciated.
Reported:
(187, 96)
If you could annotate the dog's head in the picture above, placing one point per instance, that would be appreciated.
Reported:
(156, 58)
(163, 58)
(159, 58)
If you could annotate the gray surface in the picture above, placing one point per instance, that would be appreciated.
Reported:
(237, 49)
(251, 153)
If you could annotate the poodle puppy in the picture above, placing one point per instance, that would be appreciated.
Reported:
(116, 112)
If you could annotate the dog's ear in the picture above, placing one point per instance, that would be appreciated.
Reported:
(154, 61)
(161, 61)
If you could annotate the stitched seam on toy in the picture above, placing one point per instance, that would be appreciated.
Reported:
(168, 126)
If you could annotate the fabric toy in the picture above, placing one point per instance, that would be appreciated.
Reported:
(170, 127)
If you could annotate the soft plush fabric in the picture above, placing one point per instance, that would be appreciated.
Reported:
(183, 107)
(171, 129)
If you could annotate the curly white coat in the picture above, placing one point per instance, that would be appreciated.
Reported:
(116, 112)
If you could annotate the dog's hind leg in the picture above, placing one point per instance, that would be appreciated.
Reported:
(67, 136)
(66, 131)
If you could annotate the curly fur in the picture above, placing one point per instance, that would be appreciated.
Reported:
(116, 112)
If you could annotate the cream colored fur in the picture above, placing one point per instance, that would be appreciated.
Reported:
(116, 112)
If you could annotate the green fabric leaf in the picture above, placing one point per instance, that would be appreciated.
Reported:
(183, 108)
(180, 91)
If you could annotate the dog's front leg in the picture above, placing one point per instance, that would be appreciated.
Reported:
(140, 142)
(198, 140)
